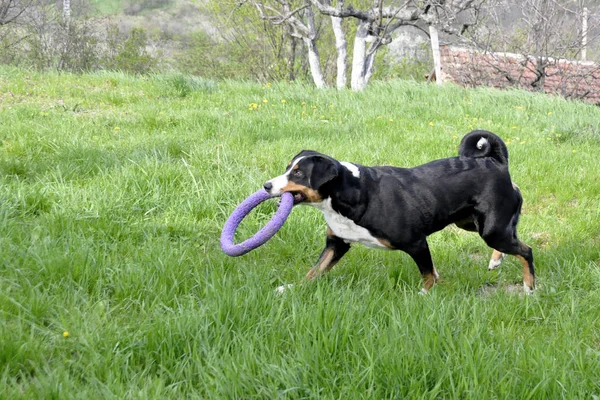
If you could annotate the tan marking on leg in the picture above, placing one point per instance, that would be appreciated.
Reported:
(429, 280)
(323, 265)
(528, 278)
(495, 260)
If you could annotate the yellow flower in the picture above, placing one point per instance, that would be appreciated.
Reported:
(283, 101)
(117, 128)
(391, 120)
(303, 103)
(523, 142)
(549, 112)
(379, 117)
(514, 127)
(519, 107)
(66, 334)
(268, 84)
(265, 101)
(431, 123)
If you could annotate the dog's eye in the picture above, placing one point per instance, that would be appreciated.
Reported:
(297, 173)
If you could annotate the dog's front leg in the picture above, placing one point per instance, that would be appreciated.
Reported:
(334, 250)
(419, 252)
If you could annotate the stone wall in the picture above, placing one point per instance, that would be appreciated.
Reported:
(568, 78)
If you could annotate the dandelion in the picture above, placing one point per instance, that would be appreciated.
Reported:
(265, 101)
(117, 128)
(283, 101)
(514, 127)
(549, 112)
(268, 84)
(252, 106)
(574, 151)
(431, 123)
(379, 117)
(65, 334)
(454, 137)
(391, 120)
(519, 107)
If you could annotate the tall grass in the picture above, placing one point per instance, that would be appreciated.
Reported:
(112, 284)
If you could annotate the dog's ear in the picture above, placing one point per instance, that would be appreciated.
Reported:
(324, 170)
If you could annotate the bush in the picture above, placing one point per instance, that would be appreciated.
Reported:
(129, 55)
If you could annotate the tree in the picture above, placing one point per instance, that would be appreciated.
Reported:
(544, 33)
(375, 24)
(10, 10)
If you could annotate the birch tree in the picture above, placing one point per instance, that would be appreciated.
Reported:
(301, 23)
(377, 23)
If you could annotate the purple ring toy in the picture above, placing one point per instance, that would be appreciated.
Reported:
(266, 233)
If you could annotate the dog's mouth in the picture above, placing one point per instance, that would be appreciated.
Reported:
(298, 197)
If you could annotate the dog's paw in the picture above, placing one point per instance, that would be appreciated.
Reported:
(495, 263)
(528, 291)
(423, 292)
(283, 288)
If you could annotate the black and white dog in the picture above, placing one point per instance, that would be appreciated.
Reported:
(397, 208)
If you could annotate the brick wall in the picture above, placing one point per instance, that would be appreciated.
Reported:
(468, 67)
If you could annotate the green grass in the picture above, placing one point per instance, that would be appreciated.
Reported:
(114, 190)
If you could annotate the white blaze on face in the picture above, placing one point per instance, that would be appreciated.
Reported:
(281, 181)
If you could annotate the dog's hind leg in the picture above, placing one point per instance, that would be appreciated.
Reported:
(507, 242)
(334, 250)
(420, 254)
(496, 260)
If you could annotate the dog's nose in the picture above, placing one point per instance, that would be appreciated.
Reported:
(268, 186)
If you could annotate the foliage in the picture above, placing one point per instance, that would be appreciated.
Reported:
(112, 285)
(129, 55)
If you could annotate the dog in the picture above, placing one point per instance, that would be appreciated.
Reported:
(397, 208)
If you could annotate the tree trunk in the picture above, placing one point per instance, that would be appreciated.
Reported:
(314, 62)
(369, 67)
(66, 9)
(359, 58)
(342, 51)
(435, 48)
(540, 71)
(292, 62)
(313, 51)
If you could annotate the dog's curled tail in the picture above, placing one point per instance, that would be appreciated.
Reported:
(482, 143)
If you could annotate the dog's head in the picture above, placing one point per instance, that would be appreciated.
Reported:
(305, 177)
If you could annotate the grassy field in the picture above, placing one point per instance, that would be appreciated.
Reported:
(112, 284)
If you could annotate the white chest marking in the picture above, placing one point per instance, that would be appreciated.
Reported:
(345, 228)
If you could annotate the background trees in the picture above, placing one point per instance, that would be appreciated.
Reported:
(341, 43)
